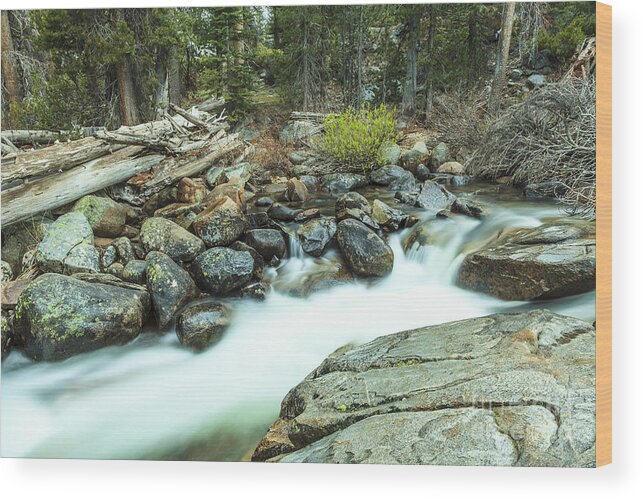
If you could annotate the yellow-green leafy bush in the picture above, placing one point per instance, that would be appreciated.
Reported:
(357, 137)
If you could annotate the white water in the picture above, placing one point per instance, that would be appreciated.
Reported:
(152, 397)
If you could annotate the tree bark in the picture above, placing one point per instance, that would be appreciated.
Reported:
(128, 105)
(428, 97)
(409, 97)
(9, 69)
(500, 73)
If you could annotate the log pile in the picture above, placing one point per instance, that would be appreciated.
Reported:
(135, 161)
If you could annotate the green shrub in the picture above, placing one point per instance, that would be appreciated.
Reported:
(357, 138)
(562, 44)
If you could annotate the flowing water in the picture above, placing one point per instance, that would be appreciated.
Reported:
(154, 399)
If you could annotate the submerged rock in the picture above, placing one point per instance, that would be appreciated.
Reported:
(551, 261)
(203, 324)
(296, 191)
(221, 270)
(220, 224)
(502, 390)
(169, 285)
(106, 217)
(59, 316)
(68, 246)
(315, 235)
(365, 252)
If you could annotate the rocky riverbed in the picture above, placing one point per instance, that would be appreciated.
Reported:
(186, 320)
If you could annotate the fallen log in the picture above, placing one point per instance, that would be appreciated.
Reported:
(154, 143)
(192, 119)
(213, 104)
(24, 137)
(53, 159)
(174, 169)
(46, 193)
(317, 118)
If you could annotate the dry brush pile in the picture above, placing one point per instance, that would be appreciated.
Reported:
(551, 136)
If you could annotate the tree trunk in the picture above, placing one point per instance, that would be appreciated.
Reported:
(500, 73)
(126, 94)
(428, 97)
(174, 77)
(409, 98)
(10, 77)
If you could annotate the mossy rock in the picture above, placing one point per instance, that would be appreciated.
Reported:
(106, 216)
(159, 234)
(59, 316)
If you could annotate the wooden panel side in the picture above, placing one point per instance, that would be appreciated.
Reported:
(604, 234)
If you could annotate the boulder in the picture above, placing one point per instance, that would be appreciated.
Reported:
(298, 132)
(221, 270)
(6, 334)
(391, 154)
(264, 201)
(315, 235)
(422, 173)
(124, 250)
(11, 292)
(220, 224)
(20, 238)
(169, 285)
(191, 190)
(308, 214)
(364, 251)
(339, 183)
(452, 167)
(412, 158)
(134, 271)
(233, 190)
(202, 324)
(470, 208)
(386, 217)
(106, 217)
(536, 81)
(269, 243)
(296, 191)
(59, 316)
(501, 390)
(259, 262)
(159, 234)
(352, 200)
(298, 157)
(434, 197)
(439, 155)
(278, 211)
(160, 199)
(257, 220)
(328, 274)
(311, 182)
(551, 261)
(68, 246)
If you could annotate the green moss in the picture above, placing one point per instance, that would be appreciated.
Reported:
(410, 362)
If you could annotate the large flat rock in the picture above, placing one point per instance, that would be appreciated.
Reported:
(553, 260)
(505, 390)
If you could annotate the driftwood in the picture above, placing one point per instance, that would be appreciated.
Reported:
(46, 193)
(57, 158)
